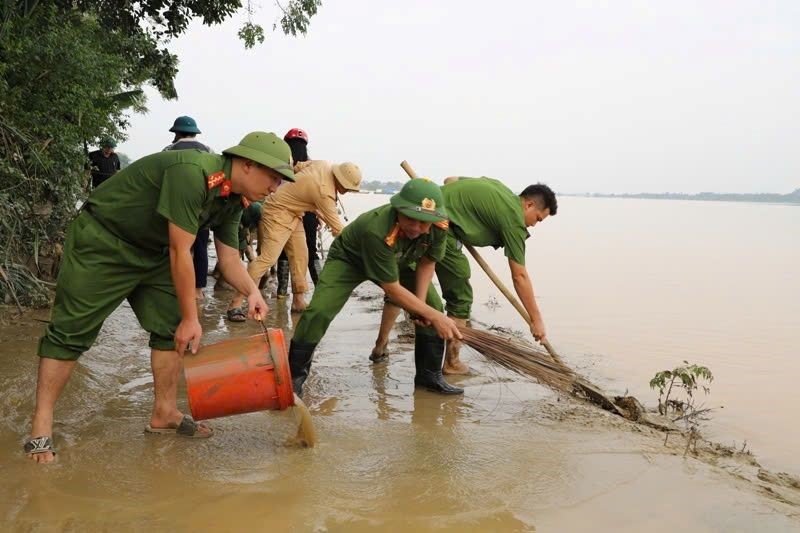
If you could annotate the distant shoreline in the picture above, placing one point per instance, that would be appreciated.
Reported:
(792, 198)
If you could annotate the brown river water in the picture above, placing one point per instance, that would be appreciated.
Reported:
(627, 288)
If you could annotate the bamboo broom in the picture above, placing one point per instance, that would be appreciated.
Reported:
(514, 356)
(520, 358)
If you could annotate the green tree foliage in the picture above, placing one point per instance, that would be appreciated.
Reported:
(70, 71)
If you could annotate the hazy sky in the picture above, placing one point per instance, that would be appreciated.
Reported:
(616, 96)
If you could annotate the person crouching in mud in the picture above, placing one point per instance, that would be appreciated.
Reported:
(132, 240)
(377, 246)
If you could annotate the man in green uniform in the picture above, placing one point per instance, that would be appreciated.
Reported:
(251, 216)
(483, 212)
(376, 247)
(132, 240)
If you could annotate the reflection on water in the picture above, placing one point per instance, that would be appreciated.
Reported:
(507, 456)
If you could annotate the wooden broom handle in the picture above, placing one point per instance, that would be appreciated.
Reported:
(512, 299)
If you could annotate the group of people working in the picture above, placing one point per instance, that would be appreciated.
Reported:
(135, 235)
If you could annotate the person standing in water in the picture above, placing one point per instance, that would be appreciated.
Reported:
(132, 240)
(297, 139)
(186, 131)
(317, 185)
(483, 212)
(376, 247)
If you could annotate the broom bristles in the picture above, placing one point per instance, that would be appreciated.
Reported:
(519, 357)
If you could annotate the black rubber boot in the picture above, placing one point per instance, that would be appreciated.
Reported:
(283, 277)
(428, 357)
(300, 355)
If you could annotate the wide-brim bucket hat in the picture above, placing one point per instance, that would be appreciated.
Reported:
(267, 149)
(348, 175)
(184, 124)
(420, 199)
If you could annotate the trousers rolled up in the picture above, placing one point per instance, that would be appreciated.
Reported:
(279, 231)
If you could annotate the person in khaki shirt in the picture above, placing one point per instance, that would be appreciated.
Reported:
(315, 189)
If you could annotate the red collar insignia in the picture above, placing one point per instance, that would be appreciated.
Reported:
(217, 179)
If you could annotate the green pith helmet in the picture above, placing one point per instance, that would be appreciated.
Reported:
(420, 199)
(184, 124)
(267, 149)
(107, 142)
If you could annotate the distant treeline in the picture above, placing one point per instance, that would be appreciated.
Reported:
(791, 198)
(383, 186)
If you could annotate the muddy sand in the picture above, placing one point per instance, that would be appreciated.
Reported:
(510, 455)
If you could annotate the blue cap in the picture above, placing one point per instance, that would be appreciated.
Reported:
(184, 125)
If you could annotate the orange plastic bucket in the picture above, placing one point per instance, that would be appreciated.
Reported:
(239, 376)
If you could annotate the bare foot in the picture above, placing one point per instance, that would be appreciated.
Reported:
(198, 294)
(173, 421)
(379, 352)
(298, 304)
(42, 425)
(42, 458)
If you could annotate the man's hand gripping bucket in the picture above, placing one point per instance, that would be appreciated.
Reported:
(239, 376)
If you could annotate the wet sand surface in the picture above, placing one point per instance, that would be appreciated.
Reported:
(510, 455)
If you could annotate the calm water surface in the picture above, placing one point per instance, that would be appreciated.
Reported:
(630, 287)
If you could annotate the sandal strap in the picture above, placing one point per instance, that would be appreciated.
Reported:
(41, 444)
(236, 312)
(187, 426)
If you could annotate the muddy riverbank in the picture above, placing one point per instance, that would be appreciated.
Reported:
(510, 455)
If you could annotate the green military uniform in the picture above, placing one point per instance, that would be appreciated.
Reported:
(371, 248)
(483, 212)
(367, 250)
(251, 216)
(118, 247)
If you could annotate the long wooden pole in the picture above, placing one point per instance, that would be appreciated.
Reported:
(593, 392)
(512, 299)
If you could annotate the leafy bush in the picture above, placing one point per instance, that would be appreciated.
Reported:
(69, 73)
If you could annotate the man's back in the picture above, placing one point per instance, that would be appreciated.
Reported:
(188, 144)
(484, 212)
(137, 203)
